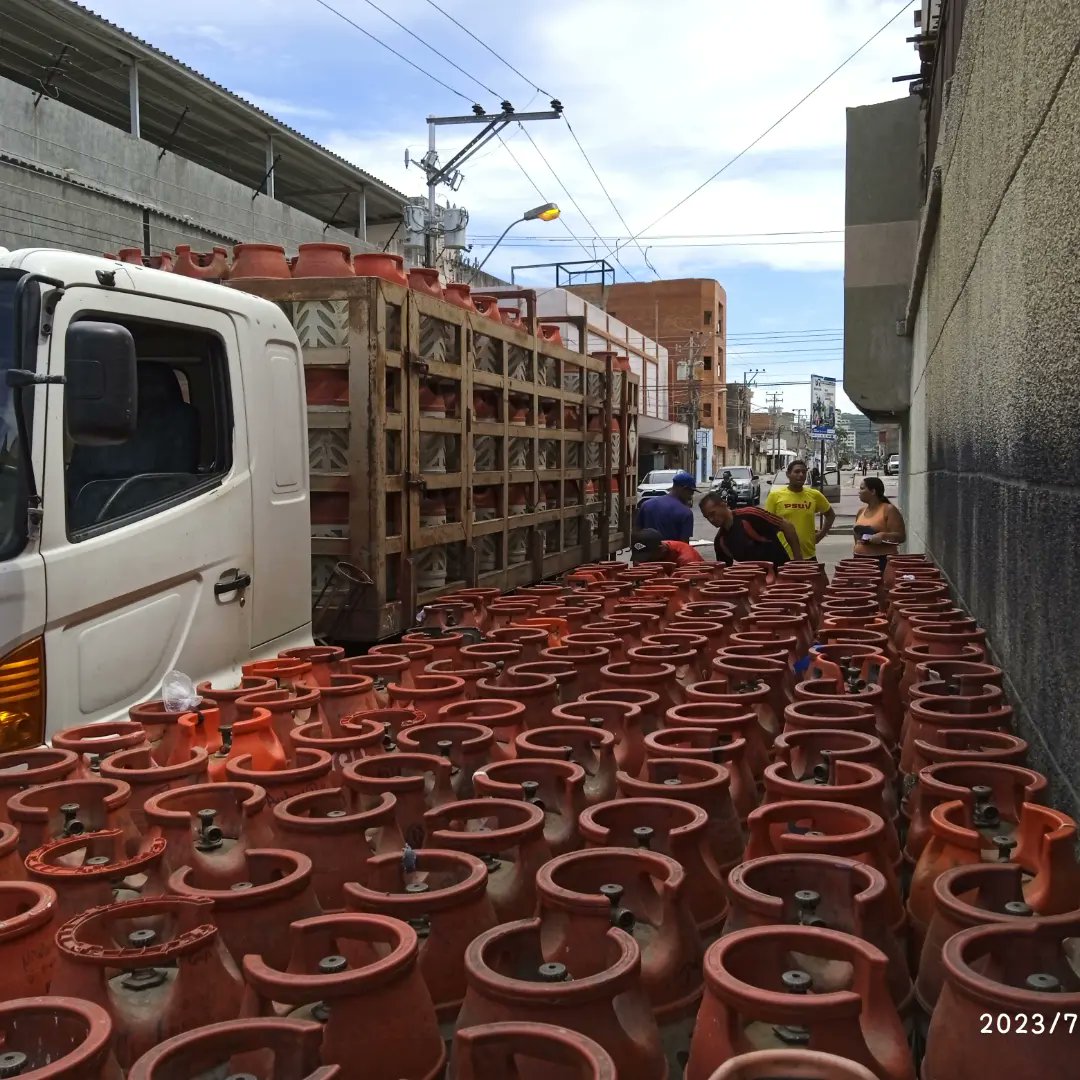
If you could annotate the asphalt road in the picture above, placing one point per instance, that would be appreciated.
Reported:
(837, 545)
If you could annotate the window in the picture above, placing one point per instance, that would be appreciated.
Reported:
(707, 318)
(707, 409)
(182, 444)
(707, 361)
(720, 322)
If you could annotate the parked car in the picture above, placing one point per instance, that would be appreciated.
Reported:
(892, 466)
(657, 482)
(747, 484)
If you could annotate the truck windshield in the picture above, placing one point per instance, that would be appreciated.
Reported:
(12, 493)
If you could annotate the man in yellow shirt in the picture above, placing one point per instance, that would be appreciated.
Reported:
(799, 504)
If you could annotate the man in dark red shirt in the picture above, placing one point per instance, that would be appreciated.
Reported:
(749, 534)
(647, 545)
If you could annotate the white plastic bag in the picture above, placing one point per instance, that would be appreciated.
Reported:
(178, 693)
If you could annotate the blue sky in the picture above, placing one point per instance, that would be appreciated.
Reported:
(660, 95)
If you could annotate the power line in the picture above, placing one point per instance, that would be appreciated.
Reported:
(588, 161)
(774, 352)
(524, 241)
(389, 48)
(442, 56)
(612, 250)
(782, 363)
(536, 188)
(776, 123)
(603, 188)
(485, 45)
(693, 236)
(774, 333)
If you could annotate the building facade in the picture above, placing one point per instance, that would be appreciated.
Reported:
(688, 316)
(962, 323)
(123, 146)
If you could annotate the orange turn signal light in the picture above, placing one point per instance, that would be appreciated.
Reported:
(22, 696)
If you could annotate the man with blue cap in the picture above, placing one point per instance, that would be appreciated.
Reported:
(671, 515)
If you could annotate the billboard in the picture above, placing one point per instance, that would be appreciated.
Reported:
(822, 407)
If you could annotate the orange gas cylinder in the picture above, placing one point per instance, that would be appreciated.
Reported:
(443, 896)
(359, 975)
(590, 746)
(668, 827)
(251, 736)
(56, 1038)
(507, 834)
(770, 987)
(1041, 840)
(338, 835)
(820, 890)
(703, 784)
(621, 719)
(511, 979)
(157, 967)
(514, 1051)
(289, 1048)
(1008, 1003)
(557, 787)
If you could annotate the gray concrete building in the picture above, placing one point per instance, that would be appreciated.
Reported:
(969, 332)
(107, 142)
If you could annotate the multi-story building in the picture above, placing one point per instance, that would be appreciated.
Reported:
(688, 316)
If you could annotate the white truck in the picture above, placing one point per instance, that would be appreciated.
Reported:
(153, 487)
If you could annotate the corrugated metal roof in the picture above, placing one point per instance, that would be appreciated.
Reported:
(219, 129)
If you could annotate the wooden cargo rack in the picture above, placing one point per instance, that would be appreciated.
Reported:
(423, 415)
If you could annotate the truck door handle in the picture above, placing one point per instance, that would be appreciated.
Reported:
(231, 581)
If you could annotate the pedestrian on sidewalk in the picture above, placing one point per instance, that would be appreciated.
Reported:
(798, 505)
(879, 525)
(647, 546)
(671, 515)
(749, 534)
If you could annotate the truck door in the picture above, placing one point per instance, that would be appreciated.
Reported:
(148, 545)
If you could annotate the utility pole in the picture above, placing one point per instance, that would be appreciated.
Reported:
(744, 420)
(775, 400)
(693, 359)
(450, 173)
(800, 427)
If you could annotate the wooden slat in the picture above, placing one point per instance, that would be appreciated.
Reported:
(326, 356)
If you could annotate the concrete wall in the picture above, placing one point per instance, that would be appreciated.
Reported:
(993, 435)
(68, 180)
(883, 198)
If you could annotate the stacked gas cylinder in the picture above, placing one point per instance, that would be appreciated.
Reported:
(645, 823)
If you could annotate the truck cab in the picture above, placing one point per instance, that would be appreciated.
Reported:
(153, 487)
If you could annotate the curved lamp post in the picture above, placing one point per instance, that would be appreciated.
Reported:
(546, 212)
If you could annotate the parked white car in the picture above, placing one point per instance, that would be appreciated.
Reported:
(657, 482)
(892, 466)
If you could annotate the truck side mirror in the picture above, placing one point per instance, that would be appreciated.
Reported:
(101, 383)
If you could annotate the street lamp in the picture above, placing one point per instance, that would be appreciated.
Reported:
(545, 212)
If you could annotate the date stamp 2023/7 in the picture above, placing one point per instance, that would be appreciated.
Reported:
(1035, 1023)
